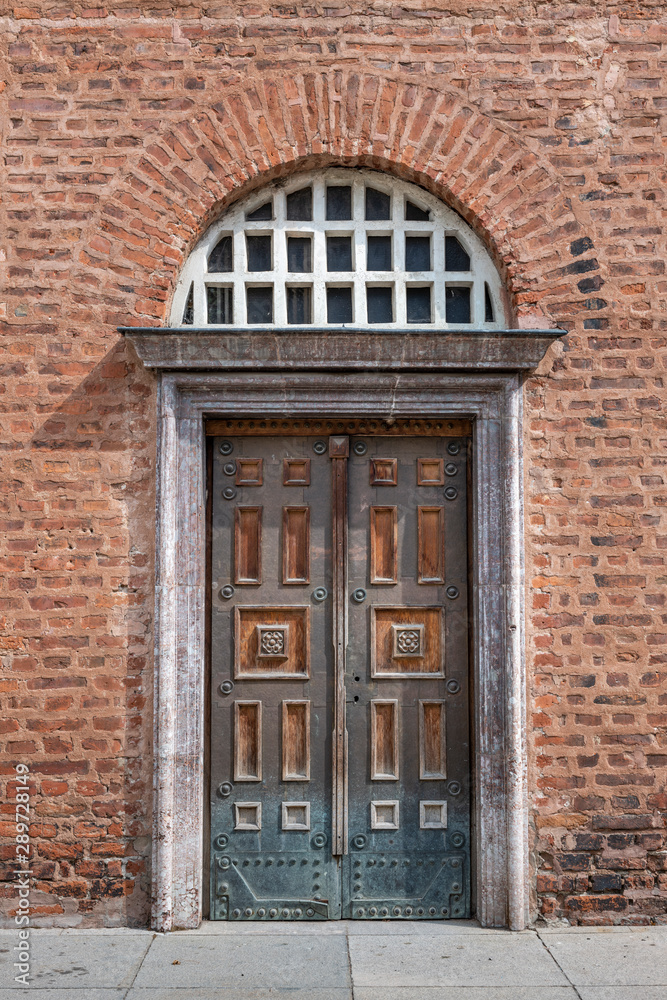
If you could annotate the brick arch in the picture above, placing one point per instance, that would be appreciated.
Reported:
(193, 168)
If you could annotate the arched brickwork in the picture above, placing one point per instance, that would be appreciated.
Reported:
(195, 166)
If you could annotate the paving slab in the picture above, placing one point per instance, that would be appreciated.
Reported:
(459, 960)
(465, 993)
(233, 993)
(79, 962)
(64, 994)
(624, 958)
(621, 993)
(247, 961)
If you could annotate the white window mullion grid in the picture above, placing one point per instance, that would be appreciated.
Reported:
(442, 221)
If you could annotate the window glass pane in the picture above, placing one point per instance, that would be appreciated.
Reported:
(413, 213)
(339, 253)
(189, 310)
(300, 205)
(488, 305)
(379, 305)
(339, 203)
(378, 204)
(219, 303)
(339, 305)
(261, 214)
(299, 254)
(259, 253)
(417, 253)
(379, 253)
(299, 305)
(418, 303)
(220, 258)
(456, 258)
(260, 304)
(457, 304)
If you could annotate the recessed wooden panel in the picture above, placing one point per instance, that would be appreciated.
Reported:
(430, 472)
(432, 741)
(384, 740)
(295, 815)
(248, 545)
(433, 815)
(296, 545)
(383, 472)
(384, 815)
(296, 740)
(248, 816)
(247, 741)
(431, 545)
(271, 642)
(249, 472)
(296, 472)
(383, 544)
(407, 642)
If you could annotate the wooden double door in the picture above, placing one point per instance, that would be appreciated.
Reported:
(340, 759)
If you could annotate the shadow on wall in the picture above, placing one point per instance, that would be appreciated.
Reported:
(79, 511)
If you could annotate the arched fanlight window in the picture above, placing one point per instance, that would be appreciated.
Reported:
(340, 247)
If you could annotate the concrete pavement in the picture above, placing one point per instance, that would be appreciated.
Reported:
(346, 960)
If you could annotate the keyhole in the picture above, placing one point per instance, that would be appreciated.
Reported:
(357, 678)
(356, 697)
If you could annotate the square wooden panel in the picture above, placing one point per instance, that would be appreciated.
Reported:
(430, 472)
(271, 642)
(433, 815)
(296, 472)
(248, 816)
(295, 815)
(407, 642)
(249, 472)
(384, 815)
(383, 471)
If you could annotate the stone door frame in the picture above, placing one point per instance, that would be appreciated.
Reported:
(493, 401)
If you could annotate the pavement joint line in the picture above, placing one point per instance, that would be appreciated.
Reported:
(139, 966)
(349, 961)
(549, 951)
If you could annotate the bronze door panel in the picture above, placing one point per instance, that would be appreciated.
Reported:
(340, 763)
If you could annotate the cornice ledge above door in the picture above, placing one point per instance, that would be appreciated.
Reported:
(347, 349)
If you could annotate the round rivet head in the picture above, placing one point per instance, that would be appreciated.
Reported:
(224, 862)
(450, 469)
(319, 447)
(261, 912)
(454, 787)
(229, 493)
(229, 468)
(359, 841)
(247, 912)
(396, 911)
(451, 493)
(359, 595)
(320, 594)
(359, 447)
(453, 447)
(273, 913)
(226, 592)
(221, 841)
(453, 686)
(452, 592)
(360, 913)
(236, 913)
(298, 912)
(319, 840)
(310, 912)
(226, 687)
(226, 447)
(225, 789)
(373, 911)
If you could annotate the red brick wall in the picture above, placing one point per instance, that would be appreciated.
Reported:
(126, 133)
